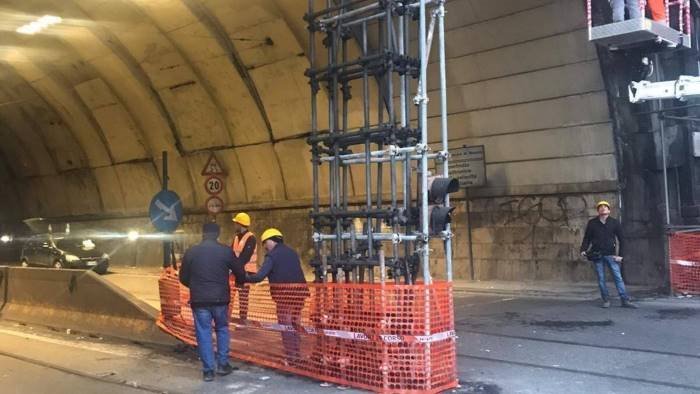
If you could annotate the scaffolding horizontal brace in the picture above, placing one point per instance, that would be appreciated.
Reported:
(431, 156)
(342, 214)
(394, 237)
(392, 150)
(355, 137)
(382, 61)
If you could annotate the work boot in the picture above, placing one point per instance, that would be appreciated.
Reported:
(224, 370)
(605, 304)
(628, 304)
(208, 376)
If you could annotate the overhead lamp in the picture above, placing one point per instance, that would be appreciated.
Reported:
(39, 24)
(5, 238)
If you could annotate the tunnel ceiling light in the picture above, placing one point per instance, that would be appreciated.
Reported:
(40, 24)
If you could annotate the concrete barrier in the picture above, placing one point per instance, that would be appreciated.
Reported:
(79, 300)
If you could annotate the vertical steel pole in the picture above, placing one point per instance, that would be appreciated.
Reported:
(392, 121)
(665, 171)
(346, 99)
(423, 101)
(314, 132)
(443, 128)
(166, 243)
(406, 122)
(368, 164)
(381, 106)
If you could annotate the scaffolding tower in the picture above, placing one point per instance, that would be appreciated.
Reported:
(389, 239)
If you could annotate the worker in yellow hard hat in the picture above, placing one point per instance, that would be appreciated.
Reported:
(603, 245)
(288, 288)
(244, 246)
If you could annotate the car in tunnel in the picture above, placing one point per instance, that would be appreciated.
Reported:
(64, 251)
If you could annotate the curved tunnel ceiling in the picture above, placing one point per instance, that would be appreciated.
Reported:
(87, 107)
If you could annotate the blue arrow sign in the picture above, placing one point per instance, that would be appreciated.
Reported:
(165, 211)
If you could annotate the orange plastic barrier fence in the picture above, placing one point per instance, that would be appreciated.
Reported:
(684, 262)
(391, 338)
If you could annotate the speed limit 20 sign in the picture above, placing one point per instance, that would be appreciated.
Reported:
(214, 185)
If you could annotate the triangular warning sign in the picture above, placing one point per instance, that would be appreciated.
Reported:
(213, 167)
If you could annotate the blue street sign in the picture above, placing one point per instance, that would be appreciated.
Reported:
(165, 211)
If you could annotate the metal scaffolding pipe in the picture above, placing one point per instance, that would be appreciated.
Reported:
(422, 100)
(363, 237)
(356, 11)
(443, 125)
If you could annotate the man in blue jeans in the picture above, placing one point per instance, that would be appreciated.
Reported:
(282, 267)
(603, 233)
(205, 270)
(619, 6)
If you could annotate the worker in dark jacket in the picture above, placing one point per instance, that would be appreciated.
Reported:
(602, 237)
(205, 270)
(288, 288)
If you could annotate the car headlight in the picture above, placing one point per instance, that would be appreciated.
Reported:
(105, 256)
(72, 258)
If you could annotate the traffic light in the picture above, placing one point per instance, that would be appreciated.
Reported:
(439, 218)
(440, 214)
(439, 188)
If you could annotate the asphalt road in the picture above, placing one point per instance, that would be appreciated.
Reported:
(505, 345)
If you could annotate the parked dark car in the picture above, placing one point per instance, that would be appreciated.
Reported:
(62, 251)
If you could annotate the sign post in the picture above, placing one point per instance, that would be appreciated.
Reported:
(468, 164)
(166, 213)
(214, 185)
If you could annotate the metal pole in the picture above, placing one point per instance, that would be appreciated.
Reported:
(665, 171)
(472, 274)
(166, 244)
(314, 132)
(381, 81)
(422, 99)
(368, 164)
(443, 128)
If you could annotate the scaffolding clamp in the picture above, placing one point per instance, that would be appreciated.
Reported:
(422, 148)
(421, 98)
(393, 150)
(445, 235)
(396, 238)
(317, 237)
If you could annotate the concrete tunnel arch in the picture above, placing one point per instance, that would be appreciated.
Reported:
(86, 109)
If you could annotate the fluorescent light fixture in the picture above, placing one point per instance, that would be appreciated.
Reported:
(132, 236)
(40, 24)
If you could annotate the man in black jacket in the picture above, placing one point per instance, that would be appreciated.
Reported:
(603, 235)
(205, 270)
(288, 288)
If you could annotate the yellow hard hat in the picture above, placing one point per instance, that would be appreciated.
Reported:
(607, 204)
(242, 218)
(269, 233)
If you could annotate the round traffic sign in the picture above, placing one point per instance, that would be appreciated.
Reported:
(215, 205)
(214, 185)
(165, 211)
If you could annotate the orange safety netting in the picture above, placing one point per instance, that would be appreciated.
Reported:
(391, 338)
(684, 262)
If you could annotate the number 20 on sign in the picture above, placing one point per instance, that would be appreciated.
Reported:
(214, 185)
